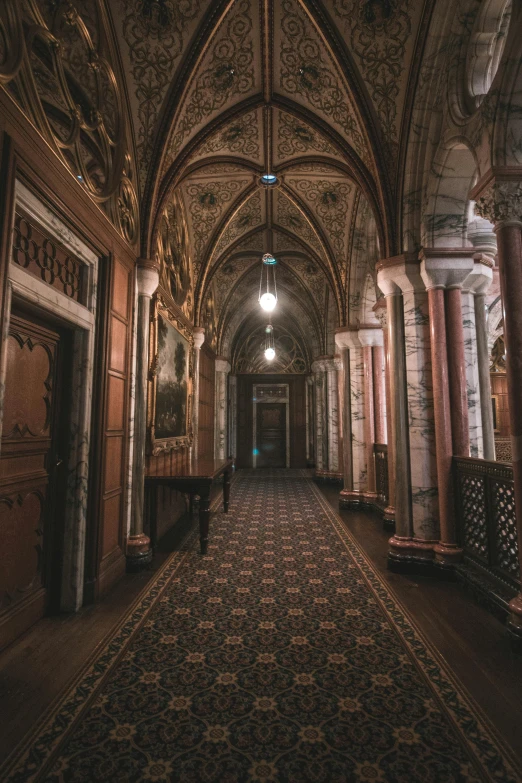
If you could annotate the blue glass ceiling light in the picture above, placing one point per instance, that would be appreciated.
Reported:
(269, 180)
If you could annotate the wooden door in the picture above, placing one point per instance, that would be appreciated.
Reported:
(271, 435)
(31, 495)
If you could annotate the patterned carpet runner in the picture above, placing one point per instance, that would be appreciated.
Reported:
(281, 656)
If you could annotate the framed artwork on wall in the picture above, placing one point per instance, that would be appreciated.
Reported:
(170, 380)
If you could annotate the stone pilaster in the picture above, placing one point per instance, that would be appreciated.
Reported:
(220, 437)
(232, 424)
(321, 436)
(139, 552)
(199, 339)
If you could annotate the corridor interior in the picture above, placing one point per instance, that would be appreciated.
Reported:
(289, 652)
(260, 390)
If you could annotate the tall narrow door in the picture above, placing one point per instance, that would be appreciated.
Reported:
(271, 435)
(30, 492)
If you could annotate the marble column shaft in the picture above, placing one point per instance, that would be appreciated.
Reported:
(444, 271)
(320, 445)
(509, 238)
(346, 413)
(379, 393)
(220, 438)
(232, 424)
(332, 413)
(488, 428)
(457, 372)
(381, 313)
(398, 444)
(138, 544)
(199, 339)
(480, 413)
(442, 410)
(369, 417)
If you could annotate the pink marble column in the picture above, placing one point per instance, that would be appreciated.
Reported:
(381, 313)
(457, 372)
(446, 551)
(509, 238)
(379, 394)
(369, 422)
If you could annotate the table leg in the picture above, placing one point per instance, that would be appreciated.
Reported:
(204, 518)
(226, 490)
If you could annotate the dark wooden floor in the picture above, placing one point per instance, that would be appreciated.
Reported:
(36, 669)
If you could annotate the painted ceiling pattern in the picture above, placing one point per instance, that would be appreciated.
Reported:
(226, 75)
(295, 138)
(219, 93)
(308, 74)
(380, 36)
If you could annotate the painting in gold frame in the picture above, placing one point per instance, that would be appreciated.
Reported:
(170, 380)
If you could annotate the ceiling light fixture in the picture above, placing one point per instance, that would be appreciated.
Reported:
(267, 284)
(269, 343)
(268, 180)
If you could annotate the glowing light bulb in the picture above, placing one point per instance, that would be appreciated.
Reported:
(269, 354)
(268, 302)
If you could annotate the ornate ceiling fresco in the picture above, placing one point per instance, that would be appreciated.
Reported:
(208, 96)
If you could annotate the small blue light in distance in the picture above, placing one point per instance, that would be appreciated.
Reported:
(255, 452)
(269, 179)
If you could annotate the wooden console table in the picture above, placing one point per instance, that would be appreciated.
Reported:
(194, 479)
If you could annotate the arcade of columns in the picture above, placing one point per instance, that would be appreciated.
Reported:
(416, 379)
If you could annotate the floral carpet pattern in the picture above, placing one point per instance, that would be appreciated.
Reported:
(280, 656)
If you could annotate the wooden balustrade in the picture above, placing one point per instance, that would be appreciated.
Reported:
(380, 454)
(486, 523)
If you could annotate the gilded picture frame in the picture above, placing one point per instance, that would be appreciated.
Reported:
(171, 380)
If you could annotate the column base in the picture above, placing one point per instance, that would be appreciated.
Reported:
(139, 552)
(356, 499)
(447, 555)
(388, 519)
(328, 475)
(408, 555)
(514, 623)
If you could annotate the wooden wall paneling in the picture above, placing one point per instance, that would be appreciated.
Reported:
(27, 155)
(7, 191)
(113, 517)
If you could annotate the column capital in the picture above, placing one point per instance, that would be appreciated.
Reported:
(320, 364)
(381, 311)
(481, 276)
(222, 364)
(147, 276)
(347, 337)
(371, 336)
(498, 195)
(446, 267)
(199, 337)
(399, 274)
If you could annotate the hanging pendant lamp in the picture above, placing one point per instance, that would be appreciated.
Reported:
(267, 284)
(269, 343)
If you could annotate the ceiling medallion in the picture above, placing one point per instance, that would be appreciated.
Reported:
(310, 77)
(269, 180)
(223, 77)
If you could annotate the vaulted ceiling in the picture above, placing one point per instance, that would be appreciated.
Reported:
(220, 92)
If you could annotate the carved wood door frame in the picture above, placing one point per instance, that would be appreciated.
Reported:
(26, 288)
